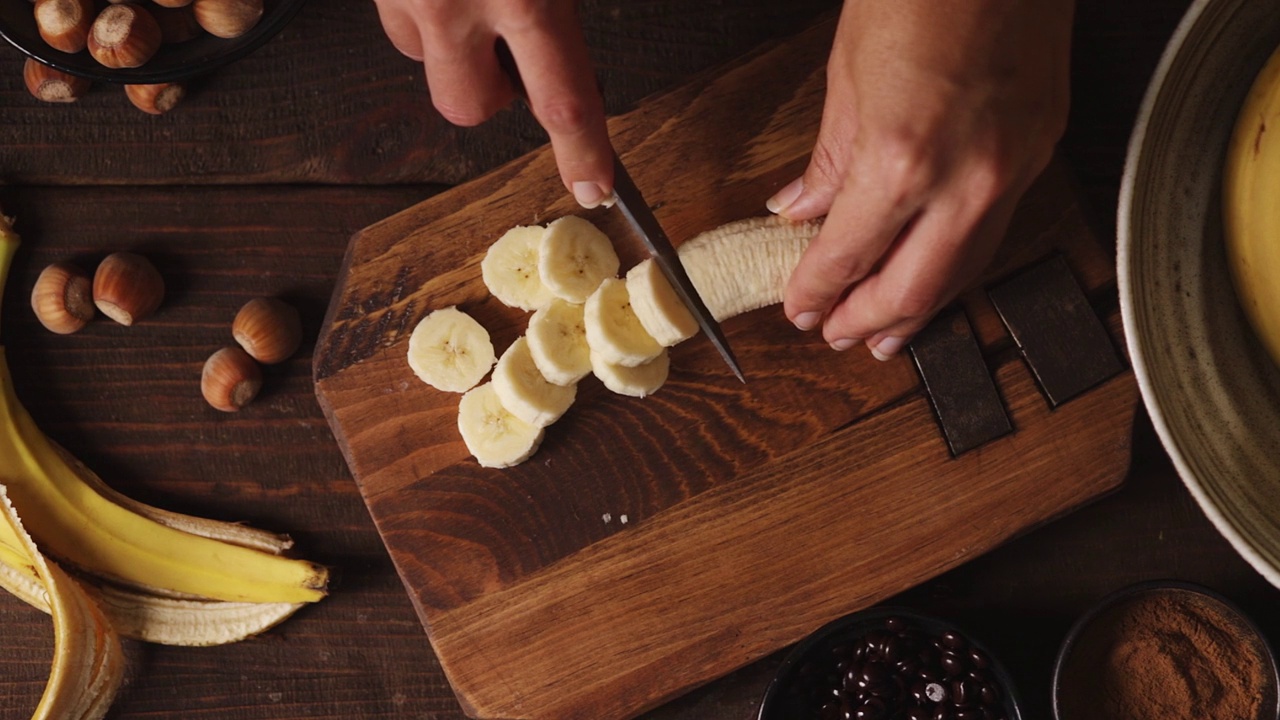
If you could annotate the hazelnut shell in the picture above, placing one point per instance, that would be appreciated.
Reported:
(269, 329)
(228, 18)
(230, 379)
(63, 298)
(127, 287)
(64, 24)
(155, 99)
(50, 85)
(124, 36)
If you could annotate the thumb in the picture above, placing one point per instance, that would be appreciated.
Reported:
(810, 195)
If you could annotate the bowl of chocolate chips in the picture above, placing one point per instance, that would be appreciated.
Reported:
(890, 663)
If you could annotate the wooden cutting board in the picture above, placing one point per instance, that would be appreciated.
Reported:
(652, 545)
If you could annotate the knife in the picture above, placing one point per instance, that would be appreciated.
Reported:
(628, 199)
(638, 213)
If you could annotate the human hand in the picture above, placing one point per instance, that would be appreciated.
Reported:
(937, 118)
(456, 41)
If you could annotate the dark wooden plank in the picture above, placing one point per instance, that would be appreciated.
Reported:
(329, 100)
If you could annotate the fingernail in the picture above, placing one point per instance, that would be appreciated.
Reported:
(588, 194)
(784, 197)
(843, 344)
(807, 320)
(887, 348)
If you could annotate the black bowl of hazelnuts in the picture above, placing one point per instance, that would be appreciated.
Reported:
(890, 663)
(141, 42)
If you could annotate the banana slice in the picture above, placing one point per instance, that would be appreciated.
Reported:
(450, 351)
(637, 381)
(745, 265)
(558, 342)
(494, 436)
(613, 330)
(574, 257)
(659, 309)
(525, 392)
(510, 269)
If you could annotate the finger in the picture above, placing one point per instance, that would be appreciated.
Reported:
(863, 223)
(556, 68)
(811, 195)
(943, 253)
(401, 29)
(466, 83)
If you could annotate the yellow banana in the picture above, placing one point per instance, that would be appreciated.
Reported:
(1251, 206)
(76, 522)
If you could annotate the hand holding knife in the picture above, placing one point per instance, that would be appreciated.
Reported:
(642, 220)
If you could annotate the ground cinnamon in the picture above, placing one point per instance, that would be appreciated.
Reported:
(1166, 655)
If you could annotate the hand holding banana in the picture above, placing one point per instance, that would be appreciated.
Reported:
(937, 118)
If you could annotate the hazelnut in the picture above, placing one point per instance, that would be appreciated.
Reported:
(127, 287)
(228, 18)
(45, 83)
(155, 99)
(231, 379)
(64, 24)
(268, 329)
(172, 3)
(177, 25)
(124, 36)
(63, 298)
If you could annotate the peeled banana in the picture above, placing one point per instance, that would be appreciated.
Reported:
(1251, 206)
(745, 265)
(144, 572)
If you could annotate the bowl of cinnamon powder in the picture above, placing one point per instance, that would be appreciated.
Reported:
(1165, 650)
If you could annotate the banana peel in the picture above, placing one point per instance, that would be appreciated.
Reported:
(88, 660)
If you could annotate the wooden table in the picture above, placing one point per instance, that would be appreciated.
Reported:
(254, 186)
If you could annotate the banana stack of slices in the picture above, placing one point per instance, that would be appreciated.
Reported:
(588, 321)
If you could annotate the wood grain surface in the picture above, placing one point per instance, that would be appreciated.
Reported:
(537, 602)
(330, 103)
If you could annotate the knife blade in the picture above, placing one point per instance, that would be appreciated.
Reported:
(642, 220)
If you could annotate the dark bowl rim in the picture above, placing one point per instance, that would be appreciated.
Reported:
(1013, 700)
(1111, 599)
(270, 26)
